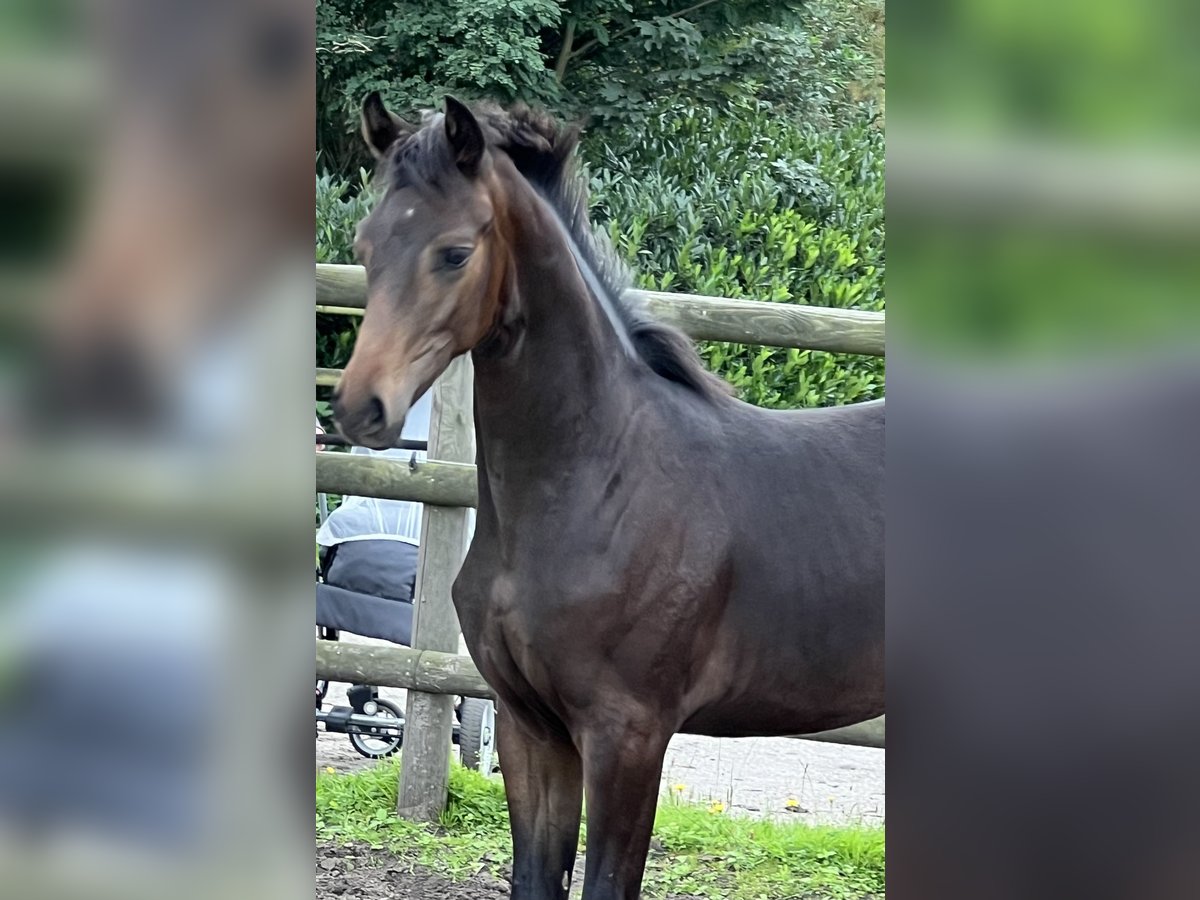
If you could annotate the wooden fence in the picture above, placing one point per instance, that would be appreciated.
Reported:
(344, 289)
(431, 670)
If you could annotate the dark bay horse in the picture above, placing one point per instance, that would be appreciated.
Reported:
(651, 556)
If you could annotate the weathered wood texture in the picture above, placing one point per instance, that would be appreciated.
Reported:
(703, 318)
(435, 483)
(401, 667)
(864, 734)
(769, 324)
(340, 285)
(425, 765)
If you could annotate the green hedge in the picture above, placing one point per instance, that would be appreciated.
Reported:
(341, 205)
(754, 206)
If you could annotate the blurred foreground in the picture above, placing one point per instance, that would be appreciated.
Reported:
(1044, 428)
(157, 334)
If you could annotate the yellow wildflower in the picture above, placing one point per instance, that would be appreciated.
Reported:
(717, 807)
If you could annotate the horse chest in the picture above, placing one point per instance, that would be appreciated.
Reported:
(530, 595)
(517, 631)
(556, 624)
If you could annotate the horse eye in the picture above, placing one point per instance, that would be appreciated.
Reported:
(455, 257)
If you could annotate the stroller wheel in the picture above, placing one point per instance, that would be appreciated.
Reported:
(477, 734)
(385, 742)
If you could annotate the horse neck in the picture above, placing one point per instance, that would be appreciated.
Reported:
(564, 384)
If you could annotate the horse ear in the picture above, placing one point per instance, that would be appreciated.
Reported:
(379, 127)
(465, 137)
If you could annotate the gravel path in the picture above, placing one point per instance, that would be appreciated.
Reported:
(818, 782)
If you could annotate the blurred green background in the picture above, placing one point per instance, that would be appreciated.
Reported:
(1044, 179)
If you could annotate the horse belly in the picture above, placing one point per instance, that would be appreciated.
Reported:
(767, 710)
(792, 667)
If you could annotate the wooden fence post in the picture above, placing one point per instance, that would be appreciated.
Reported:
(425, 759)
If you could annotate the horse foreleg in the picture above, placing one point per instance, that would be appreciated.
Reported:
(622, 766)
(543, 779)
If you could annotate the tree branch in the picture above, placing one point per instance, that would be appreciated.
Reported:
(588, 45)
(564, 55)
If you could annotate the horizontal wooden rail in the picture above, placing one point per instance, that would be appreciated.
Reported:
(436, 483)
(401, 667)
(138, 495)
(449, 673)
(938, 174)
(864, 734)
(702, 318)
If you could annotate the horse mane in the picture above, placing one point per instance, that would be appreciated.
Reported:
(544, 151)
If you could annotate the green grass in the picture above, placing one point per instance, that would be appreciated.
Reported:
(699, 851)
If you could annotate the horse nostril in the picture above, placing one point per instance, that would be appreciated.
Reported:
(373, 415)
(365, 416)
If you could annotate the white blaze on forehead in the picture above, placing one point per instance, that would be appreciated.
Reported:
(408, 213)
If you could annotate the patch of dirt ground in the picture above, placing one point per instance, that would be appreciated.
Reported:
(364, 874)
(361, 873)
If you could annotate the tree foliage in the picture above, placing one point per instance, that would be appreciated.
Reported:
(570, 55)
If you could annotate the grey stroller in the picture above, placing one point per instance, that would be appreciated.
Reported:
(365, 582)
